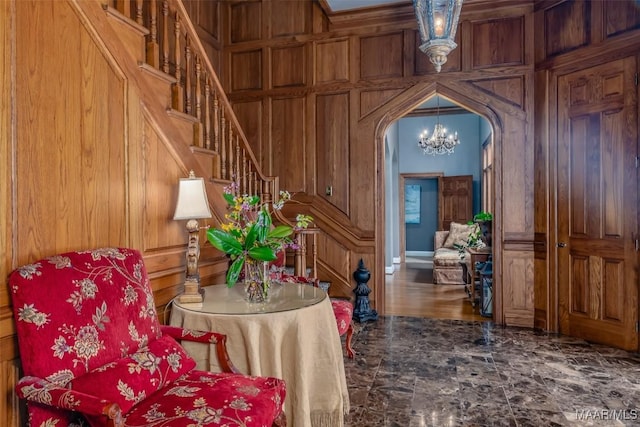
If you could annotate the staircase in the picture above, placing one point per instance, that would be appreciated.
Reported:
(161, 54)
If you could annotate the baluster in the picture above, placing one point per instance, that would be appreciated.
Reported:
(216, 123)
(198, 89)
(242, 170)
(178, 103)
(187, 75)
(153, 56)
(230, 160)
(139, 19)
(238, 163)
(250, 181)
(256, 182)
(165, 36)
(247, 171)
(314, 255)
(207, 113)
(266, 194)
(254, 178)
(223, 152)
(299, 263)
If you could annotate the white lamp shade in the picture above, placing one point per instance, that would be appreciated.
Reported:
(192, 199)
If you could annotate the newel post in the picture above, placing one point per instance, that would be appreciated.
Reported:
(362, 311)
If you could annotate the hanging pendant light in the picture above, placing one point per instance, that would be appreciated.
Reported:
(437, 23)
(439, 142)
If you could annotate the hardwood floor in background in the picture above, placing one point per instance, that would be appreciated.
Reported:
(410, 292)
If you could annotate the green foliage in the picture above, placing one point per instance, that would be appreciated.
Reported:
(249, 232)
(483, 216)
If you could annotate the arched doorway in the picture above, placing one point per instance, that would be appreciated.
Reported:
(430, 191)
(397, 109)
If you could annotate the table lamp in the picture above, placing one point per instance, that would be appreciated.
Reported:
(192, 205)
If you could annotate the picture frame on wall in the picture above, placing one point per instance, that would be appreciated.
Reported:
(412, 204)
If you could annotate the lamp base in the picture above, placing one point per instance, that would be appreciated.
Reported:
(192, 292)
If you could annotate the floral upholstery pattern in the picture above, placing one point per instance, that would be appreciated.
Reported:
(133, 378)
(343, 310)
(90, 342)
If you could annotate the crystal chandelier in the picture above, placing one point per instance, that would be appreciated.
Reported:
(437, 23)
(439, 142)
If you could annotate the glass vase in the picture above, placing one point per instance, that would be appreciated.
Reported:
(257, 282)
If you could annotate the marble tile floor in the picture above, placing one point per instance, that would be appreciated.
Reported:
(414, 372)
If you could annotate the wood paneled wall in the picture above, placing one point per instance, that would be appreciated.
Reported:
(592, 33)
(334, 83)
(83, 161)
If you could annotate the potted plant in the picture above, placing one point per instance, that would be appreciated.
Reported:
(485, 222)
(251, 240)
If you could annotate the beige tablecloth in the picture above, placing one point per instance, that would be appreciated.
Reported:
(301, 346)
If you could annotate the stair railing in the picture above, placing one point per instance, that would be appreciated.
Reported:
(174, 48)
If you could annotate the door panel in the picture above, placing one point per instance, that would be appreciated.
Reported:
(455, 194)
(597, 204)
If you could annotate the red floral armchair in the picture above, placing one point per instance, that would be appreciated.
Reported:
(93, 352)
(342, 308)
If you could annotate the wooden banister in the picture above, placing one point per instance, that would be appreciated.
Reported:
(174, 47)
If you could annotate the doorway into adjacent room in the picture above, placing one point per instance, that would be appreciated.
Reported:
(412, 178)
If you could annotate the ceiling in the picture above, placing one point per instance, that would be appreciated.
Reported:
(344, 5)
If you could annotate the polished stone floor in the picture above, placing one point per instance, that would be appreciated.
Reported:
(411, 372)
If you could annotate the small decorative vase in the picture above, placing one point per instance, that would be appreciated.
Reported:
(257, 281)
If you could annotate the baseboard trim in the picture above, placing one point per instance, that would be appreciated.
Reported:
(419, 253)
(396, 260)
(389, 270)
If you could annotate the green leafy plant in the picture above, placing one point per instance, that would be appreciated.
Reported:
(483, 216)
(474, 240)
(249, 232)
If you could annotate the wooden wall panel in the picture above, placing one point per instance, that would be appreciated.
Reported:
(544, 313)
(6, 152)
(517, 187)
(332, 61)
(334, 254)
(71, 155)
(510, 89)
(518, 295)
(246, 19)
(289, 143)
(567, 27)
(245, 67)
(372, 99)
(249, 116)
(288, 66)
(381, 56)
(332, 149)
(206, 19)
(9, 362)
(621, 16)
(161, 193)
(280, 15)
(498, 42)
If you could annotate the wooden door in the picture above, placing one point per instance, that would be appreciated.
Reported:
(597, 205)
(455, 200)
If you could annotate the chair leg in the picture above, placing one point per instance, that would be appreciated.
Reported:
(350, 351)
